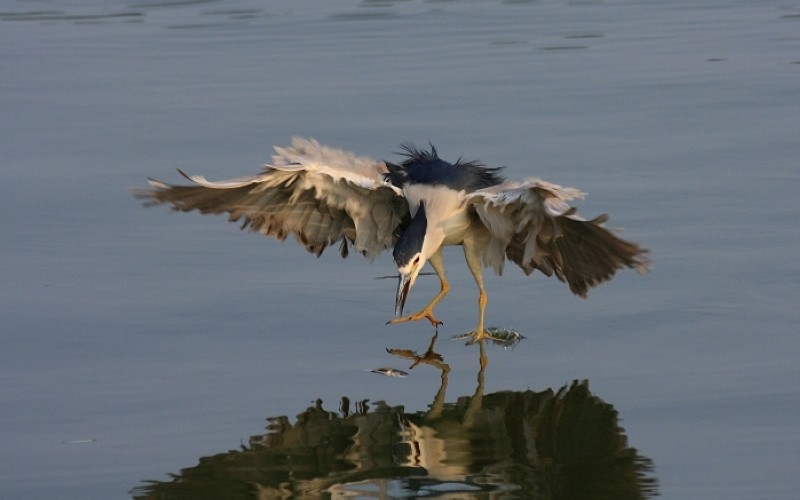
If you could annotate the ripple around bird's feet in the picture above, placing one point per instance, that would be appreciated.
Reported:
(503, 337)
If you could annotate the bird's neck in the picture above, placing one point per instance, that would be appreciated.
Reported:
(434, 233)
(445, 213)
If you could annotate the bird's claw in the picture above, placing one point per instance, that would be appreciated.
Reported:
(416, 317)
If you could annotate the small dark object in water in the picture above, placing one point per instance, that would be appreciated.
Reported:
(390, 372)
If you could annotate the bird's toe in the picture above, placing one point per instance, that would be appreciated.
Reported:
(416, 317)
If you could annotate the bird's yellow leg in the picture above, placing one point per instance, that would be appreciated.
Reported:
(475, 267)
(437, 262)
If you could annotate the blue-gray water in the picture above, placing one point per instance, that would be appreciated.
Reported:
(136, 342)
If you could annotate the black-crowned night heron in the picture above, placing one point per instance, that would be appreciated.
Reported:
(324, 195)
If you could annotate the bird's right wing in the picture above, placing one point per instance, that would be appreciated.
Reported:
(320, 194)
(532, 225)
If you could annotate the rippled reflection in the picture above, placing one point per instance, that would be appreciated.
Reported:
(564, 443)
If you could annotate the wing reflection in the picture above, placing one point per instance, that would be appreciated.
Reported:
(549, 444)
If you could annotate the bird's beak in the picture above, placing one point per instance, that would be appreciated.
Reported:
(403, 288)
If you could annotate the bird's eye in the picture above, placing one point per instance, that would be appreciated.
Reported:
(416, 261)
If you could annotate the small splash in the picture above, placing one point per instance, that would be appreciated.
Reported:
(502, 337)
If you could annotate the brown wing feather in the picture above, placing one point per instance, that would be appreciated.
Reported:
(582, 254)
(531, 224)
(318, 209)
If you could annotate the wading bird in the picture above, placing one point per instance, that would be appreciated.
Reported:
(324, 196)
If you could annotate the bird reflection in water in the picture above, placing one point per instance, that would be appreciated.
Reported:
(552, 444)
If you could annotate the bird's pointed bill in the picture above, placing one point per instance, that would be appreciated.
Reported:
(403, 288)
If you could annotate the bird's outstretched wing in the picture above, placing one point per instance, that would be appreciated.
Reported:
(320, 194)
(532, 225)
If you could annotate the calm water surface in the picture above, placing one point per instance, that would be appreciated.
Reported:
(140, 346)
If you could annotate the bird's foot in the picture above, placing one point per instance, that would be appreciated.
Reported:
(423, 314)
(480, 335)
(472, 337)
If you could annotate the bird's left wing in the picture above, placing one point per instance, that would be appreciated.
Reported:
(532, 225)
(320, 194)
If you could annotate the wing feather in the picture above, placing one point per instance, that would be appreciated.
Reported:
(320, 194)
(532, 225)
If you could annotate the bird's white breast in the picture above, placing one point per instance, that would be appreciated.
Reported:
(445, 209)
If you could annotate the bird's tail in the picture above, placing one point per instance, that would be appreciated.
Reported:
(589, 254)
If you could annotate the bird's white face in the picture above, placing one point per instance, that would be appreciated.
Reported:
(408, 276)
